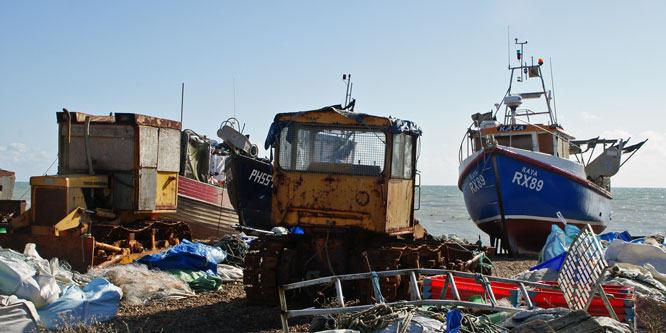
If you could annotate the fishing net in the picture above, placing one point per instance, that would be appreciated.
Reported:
(235, 248)
(140, 284)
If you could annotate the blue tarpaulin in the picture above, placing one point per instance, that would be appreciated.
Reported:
(610, 236)
(558, 241)
(553, 263)
(186, 255)
(453, 320)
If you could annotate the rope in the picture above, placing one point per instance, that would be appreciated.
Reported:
(482, 324)
(381, 316)
(375, 286)
(378, 317)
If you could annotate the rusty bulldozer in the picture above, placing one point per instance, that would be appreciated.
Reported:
(116, 175)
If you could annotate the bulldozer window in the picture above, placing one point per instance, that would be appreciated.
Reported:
(401, 161)
(332, 150)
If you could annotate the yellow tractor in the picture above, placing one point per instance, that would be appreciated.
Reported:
(345, 184)
(116, 175)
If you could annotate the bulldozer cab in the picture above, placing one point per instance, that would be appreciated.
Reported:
(340, 169)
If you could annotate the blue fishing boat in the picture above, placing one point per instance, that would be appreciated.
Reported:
(524, 174)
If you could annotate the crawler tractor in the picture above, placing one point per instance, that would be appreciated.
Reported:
(345, 184)
(116, 175)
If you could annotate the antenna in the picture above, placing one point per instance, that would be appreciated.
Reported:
(552, 85)
(182, 101)
(508, 46)
(234, 83)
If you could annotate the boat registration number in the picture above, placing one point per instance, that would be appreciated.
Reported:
(528, 179)
(261, 178)
(476, 182)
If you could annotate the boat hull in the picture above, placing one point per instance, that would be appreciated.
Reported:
(515, 195)
(249, 183)
(205, 208)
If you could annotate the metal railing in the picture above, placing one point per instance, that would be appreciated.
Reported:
(415, 294)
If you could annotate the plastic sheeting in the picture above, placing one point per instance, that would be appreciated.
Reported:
(645, 280)
(229, 273)
(187, 255)
(17, 315)
(96, 302)
(197, 280)
(558, 241)
(637, 254)
(611, 236)
(552, 263)
(418, 323)
(453, 320)
(543, 274)
(139, 284)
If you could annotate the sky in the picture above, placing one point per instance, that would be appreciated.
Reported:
(432, 62)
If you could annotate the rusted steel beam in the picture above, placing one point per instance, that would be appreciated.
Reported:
(107, 247)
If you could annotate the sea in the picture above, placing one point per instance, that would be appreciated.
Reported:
(640, 211)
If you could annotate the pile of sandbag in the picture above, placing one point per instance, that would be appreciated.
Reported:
(41, 292)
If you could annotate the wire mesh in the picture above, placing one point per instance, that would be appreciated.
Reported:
(332, 150)
(582, 270)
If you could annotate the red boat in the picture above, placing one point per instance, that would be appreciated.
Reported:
(206, 209)
(204, 206)
(622, 299)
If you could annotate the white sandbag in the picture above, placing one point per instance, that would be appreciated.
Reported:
(637, 254)
(18, 278)
(95, 303)
(60, 270)
(17, 315)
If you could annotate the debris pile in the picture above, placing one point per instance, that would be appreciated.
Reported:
(48, 294)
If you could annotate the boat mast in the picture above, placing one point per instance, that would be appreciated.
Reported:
(521, 57)
(528, 71)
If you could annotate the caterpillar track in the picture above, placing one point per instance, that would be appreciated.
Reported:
(276, 260)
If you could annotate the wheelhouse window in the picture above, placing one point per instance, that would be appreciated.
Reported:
(402, 161)
(332, 150)
(522, 141)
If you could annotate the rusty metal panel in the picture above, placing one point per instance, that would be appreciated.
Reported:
(329, 116)
(314, 199)
(78, 117)
(122, 188)
(147, 185)
(77, 250)
(166, 190)
(148, 145)
(399, 204)
(111, 147)
(139, 119)
(49, 204)
(168, 157)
